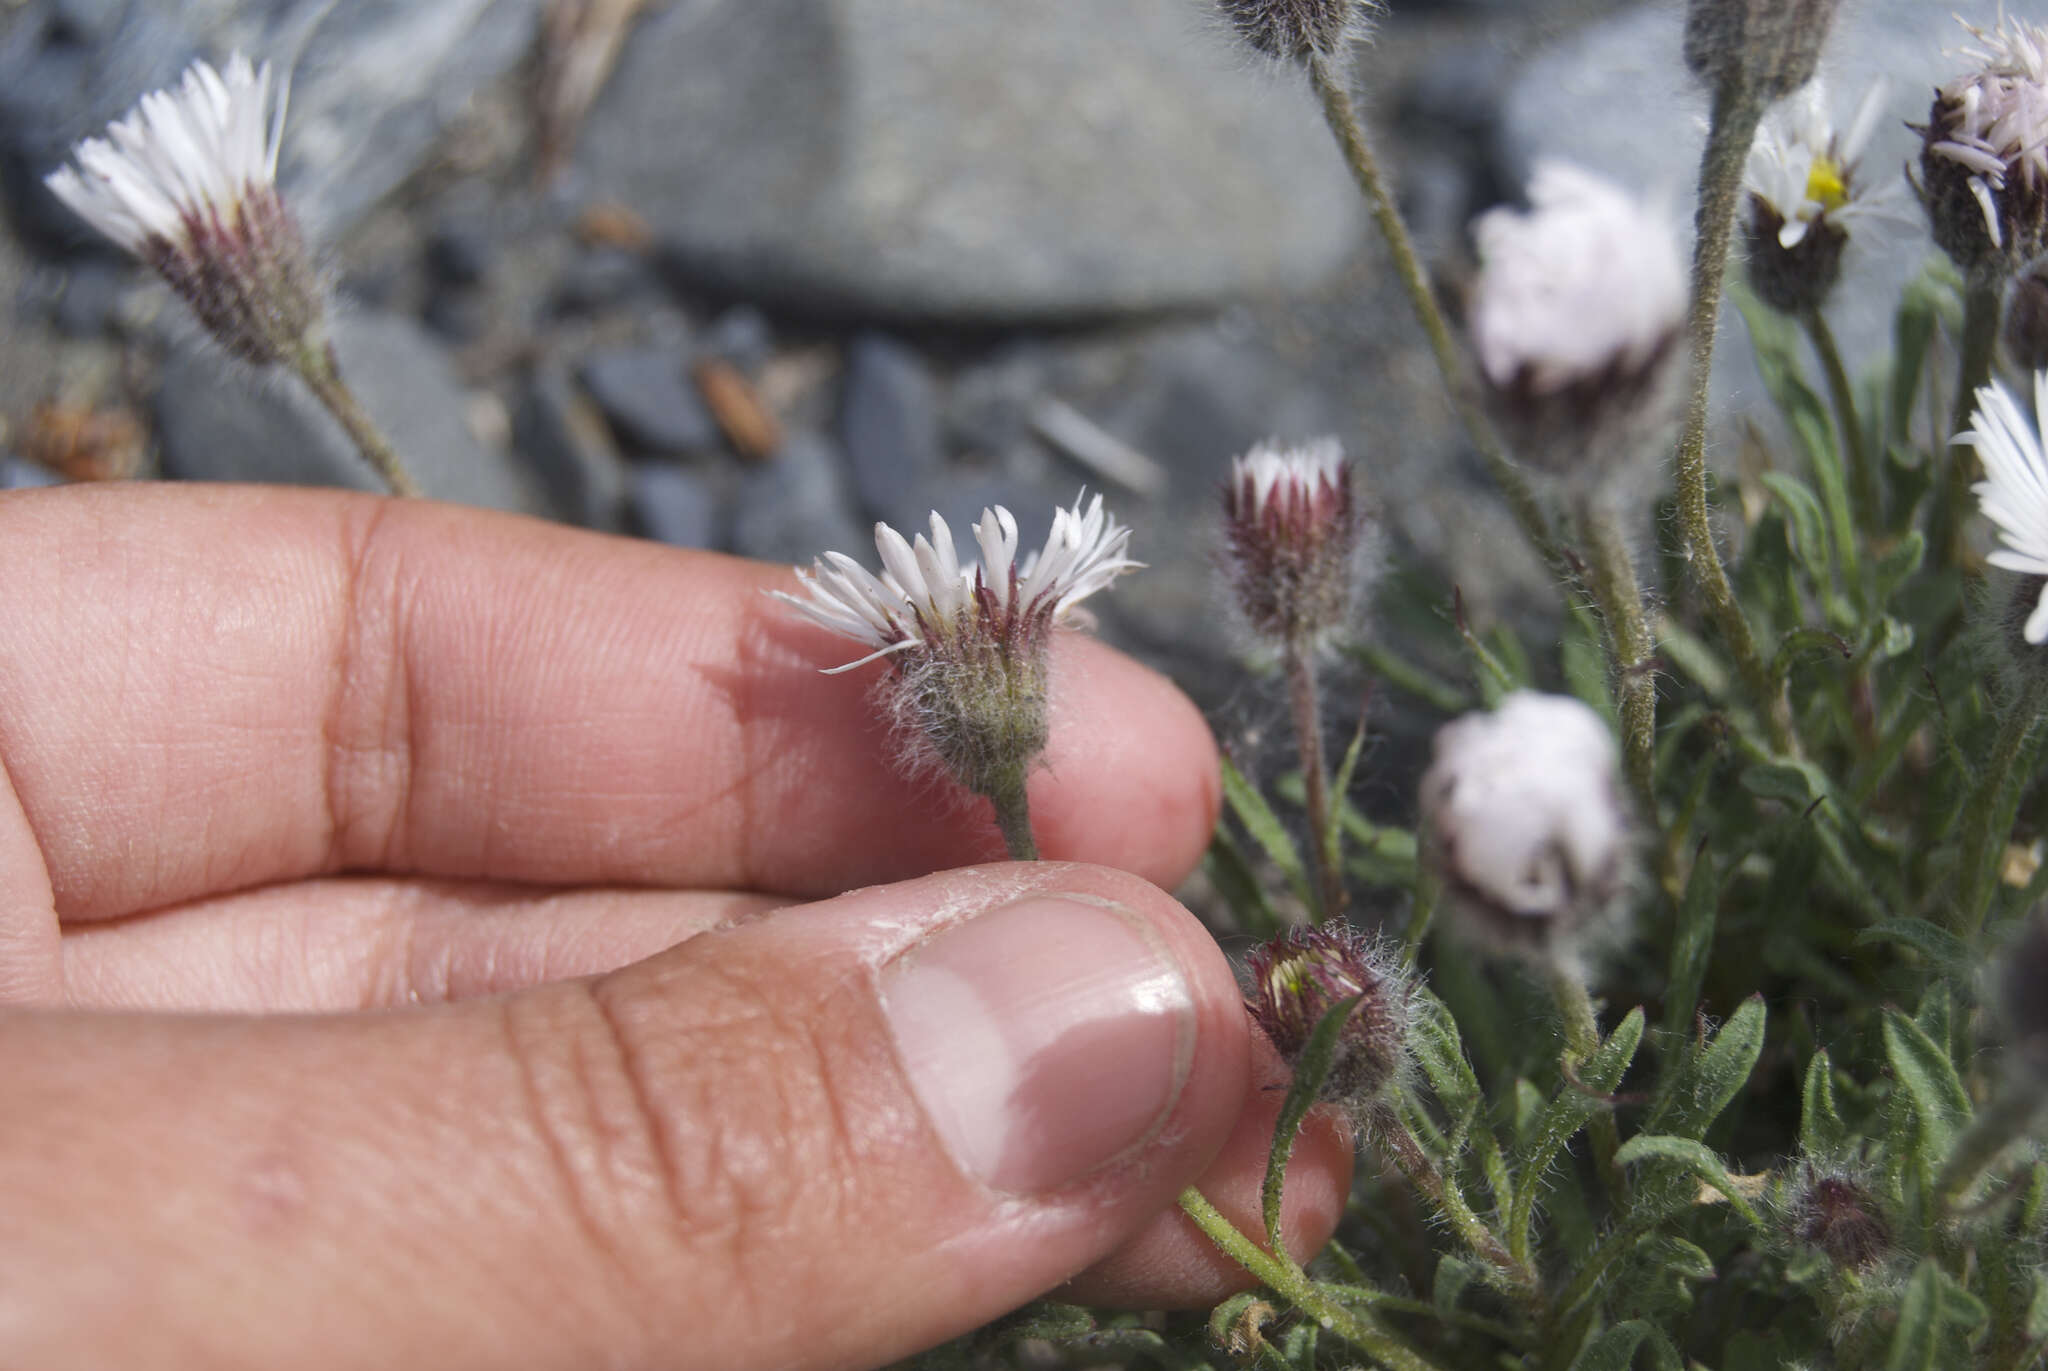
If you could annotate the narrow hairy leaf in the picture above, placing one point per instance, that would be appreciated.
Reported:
(1266, 830)
(1566, 1113)
(1692, 945)
(1709, 1079)
(1442, 1056)
(1311, 1070)
(1454, 1275)
(1614, 1349)
(1929, 1081)
(1821, 1131)
(1943, 950)
(1697, 1159)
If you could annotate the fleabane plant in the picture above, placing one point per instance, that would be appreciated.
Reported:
(1807, 192)
(969, 642)
(187, 183)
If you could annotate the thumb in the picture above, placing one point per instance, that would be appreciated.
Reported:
(824, 1137)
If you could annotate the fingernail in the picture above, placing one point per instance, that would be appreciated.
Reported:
(1045, 1039)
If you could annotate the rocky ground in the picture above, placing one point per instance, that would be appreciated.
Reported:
(810, 263)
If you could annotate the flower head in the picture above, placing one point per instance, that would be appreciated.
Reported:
(1805, 193)
(2014, 491)
(1839, 1215)
(1302, 975)
(1767, 47)
(1293, 534)
(968, 640)
(1525, 815)
(1298, 30)
(187, 182)
(1984, 163)
(1576, 314)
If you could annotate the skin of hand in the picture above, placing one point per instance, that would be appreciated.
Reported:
(422, 943)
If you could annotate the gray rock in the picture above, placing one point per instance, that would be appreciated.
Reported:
(458, 314)
(460, 252)
(793, 507)
(91, 302)
(374, 83)
(564, 437)
(17, 473)
(218, 421)
(600, 278)
(675, 506)
(85, 21)
(742, 336)
(988, 407)
(1565, 102)
(927, 159)
(889, 426)
(651, 404)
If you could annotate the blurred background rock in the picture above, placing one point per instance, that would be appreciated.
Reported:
(751, 274)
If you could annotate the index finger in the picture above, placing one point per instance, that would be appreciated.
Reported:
(209, 688)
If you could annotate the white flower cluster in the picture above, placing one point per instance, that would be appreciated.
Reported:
(2014, 493)
(926, 592)
(183, 162)
(1585, 282)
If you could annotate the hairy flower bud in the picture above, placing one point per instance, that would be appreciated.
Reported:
(1836, 1214)
(969, 642)
(1298, 30)
(1302, 975)
(1525, 817)
(1804, 195)
(1578, 314)
(188, 184)
(1768, 48)
(1984, 159)
(1293, 540)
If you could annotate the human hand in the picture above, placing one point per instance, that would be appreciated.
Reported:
(446, 875)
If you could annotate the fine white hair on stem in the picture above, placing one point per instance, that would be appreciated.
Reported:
(2014, 493)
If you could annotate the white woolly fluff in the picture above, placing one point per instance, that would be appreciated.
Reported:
(190, 153)
(1083, 553)
(2014, 493)
(1585, 277)
(1525, 806)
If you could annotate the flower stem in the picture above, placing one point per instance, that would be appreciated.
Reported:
(1629, 644)
(1736, 116)
(1013, 815)
(1421, 1172)
(318, 368)
(1983, 295)
(1285, 1278)
(1304, 700)
(1855, 443)
(1342, 117)
(1977, 874)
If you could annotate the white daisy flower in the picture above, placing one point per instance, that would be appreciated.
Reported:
(1576, 314)
(1804, 169)
(2014, 493)
(1525, 814)
(927, 598)
(1985, 160)
(187, 182)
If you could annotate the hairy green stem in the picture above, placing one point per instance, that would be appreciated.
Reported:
(1304, 701)
(1286, 1279)
(1983, 295)
(1629, 645)
(1342, 115)
(1581, 1040)
(1421, 1172)
(1013, 815)
(319, 369)
(1982, 834)
(1736, 115)
(1855, 442)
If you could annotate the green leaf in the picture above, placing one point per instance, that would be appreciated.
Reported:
(1695, 1158)
(1807, 521)
(1781, 781)
(1680, 1258)
(1929, 1080)
(1899, 563)
(1821, 1130)
(1568, 1111)
(1454, 1275)
(1266, 830)
(1311, 1070)
(1931, 1306)
(1944, 951)
(1912, 331)
(1442, 1055)
(1692, 945)
(1231, 873)
(1710, 1079)
(1614, 1349)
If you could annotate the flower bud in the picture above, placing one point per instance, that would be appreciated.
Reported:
(1578, 314)
(1984, 157)
(1836, 1214)
(1525, 817)
(1804, 194)
(1293, 540)
(1768, 48)
(1298, 30)
(1302, 975)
